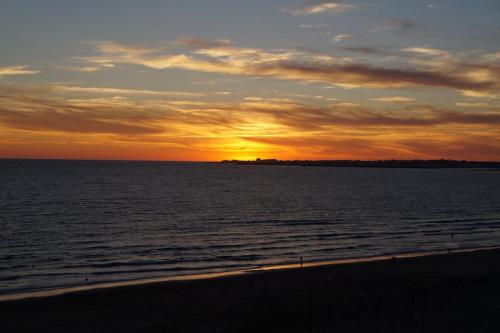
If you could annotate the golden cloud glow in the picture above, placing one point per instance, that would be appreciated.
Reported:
(104, 90)
(33, 117)
(427, 51)
(395, 99)
(303, 79)
(17, 70)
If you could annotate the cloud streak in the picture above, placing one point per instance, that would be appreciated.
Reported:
(395, 99)
(17, 70)
(283, 112)
(253, 124)
(427, 51)
(341, 37)
(398, 25)
(117, 91)
(325, 7)
(225, 58)
(302, 117)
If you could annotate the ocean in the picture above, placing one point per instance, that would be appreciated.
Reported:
(73, 223)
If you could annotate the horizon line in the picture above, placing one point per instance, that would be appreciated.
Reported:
(236, 160)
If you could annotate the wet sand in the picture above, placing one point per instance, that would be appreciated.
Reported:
(458, 292)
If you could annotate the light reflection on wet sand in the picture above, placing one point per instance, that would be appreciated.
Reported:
(289, 266)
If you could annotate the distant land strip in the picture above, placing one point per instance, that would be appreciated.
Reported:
(420, 164)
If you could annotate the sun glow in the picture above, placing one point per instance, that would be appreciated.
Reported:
(178, 96)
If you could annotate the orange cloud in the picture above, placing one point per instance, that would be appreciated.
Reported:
(33, 117)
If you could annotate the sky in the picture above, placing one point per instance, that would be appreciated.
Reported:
(232, 79)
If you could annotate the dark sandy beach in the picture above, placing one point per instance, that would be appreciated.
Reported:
(456, 292)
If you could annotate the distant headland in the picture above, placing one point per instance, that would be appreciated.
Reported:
(416, 164)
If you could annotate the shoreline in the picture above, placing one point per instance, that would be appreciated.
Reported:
(438, 292)
(391, 164)
(48, 293)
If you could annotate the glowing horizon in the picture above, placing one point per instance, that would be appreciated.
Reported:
(227, 80)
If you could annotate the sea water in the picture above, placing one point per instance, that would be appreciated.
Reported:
(72, 223)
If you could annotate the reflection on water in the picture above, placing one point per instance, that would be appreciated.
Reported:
(67, 223)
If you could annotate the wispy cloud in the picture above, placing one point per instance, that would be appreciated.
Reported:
(362, 49)
(341, 37)
(306, 117)
(42, 115)
(293, 64)
(475, 147)
(342, 129)
(398, 25)
(473, 104)
(493, 57)
(17, 70)
(198, 43)
(324, 7)
(117, 91)
(85, 69)
(287, 112)
(395, 99)
(427, 51)
(316, 27)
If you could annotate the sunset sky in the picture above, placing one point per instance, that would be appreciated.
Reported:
(222, 79)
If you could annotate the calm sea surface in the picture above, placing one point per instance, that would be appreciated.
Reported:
(62, 222)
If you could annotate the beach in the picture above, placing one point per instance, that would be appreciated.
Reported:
(456, 292)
